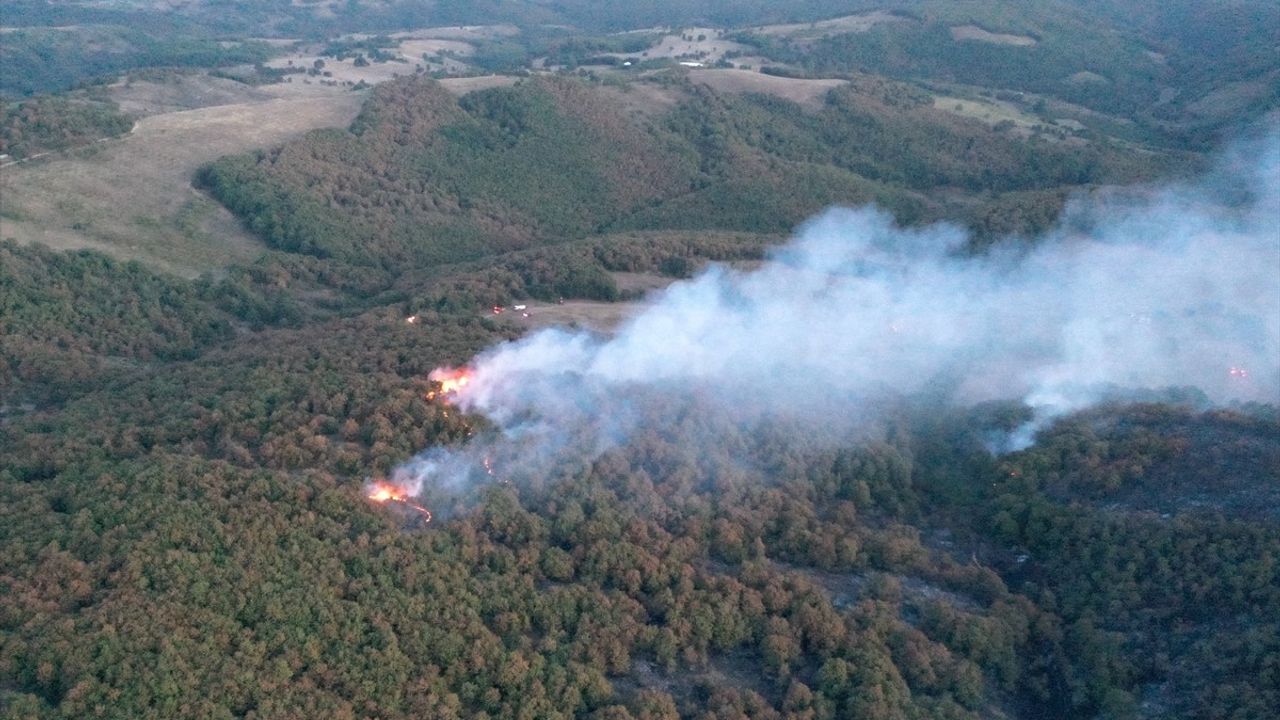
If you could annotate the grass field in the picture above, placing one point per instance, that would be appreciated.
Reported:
(973, 32)
(464, 85)
(703, 43)
(798, 90)
(591, 314)
(178, 91)
(447, 46)
(132, 197)
(833, 26)
(346, 72)
(988, 111)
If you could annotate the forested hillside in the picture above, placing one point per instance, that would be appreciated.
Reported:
(185, 526)
(425, 178)
(49, 124)
(186, 532)
(43, 60)
(911, 578)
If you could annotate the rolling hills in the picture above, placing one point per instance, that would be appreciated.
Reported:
(258, 279)
(424, 177)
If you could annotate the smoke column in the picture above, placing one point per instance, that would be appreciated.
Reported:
(1168, 288)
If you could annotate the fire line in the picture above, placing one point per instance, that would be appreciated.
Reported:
(384, 492)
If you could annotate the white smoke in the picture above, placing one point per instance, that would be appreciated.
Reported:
(1178, 288)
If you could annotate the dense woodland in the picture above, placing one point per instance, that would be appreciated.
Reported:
(554, 159)
(49, 124)
(183, 527)
(44, 60)
(195, 543)
(185, 532)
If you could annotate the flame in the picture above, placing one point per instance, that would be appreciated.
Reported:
(381, 491)
(488, 468)
(451, 381)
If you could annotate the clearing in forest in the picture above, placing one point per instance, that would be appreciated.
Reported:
(973, 32)
(132, 197)
(834, 26)
(804, 91)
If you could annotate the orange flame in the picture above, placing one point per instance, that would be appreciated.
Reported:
(384, 492)
(451, 381)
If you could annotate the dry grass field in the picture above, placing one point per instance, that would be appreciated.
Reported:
(973, 32)
(464, 33)
(464, 85)
(445, 45)
(586, 314)
(988, 111)
(346, 72)
(806, 92)
(595, 315)
(132, 197)
(415, 47)
(705, 44)
(846, 24)
(643, 99)
(179, 92)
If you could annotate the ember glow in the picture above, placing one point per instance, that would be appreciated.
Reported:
(451, 381)
(1131, 297)
(381, 491)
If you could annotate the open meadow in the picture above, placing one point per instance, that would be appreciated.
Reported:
(132, 197)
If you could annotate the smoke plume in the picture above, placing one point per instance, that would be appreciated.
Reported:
(1143, 290)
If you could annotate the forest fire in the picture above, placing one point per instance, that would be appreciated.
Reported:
(451, 381)
(383, 492)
